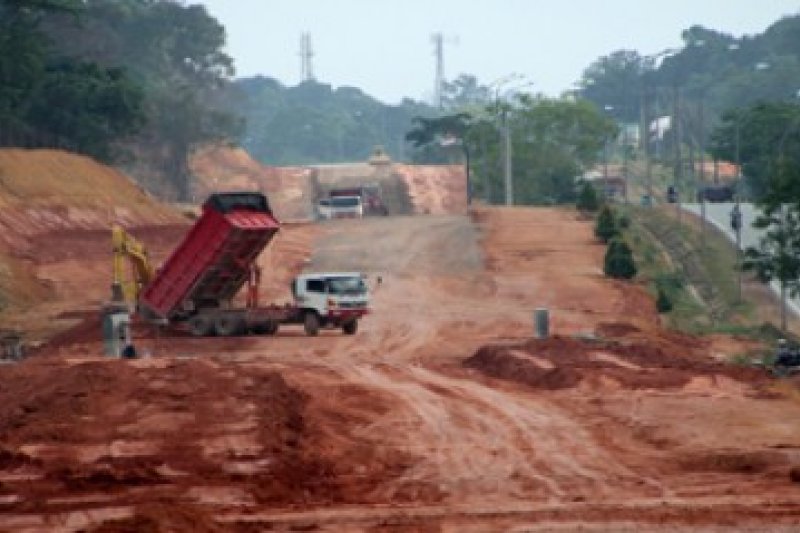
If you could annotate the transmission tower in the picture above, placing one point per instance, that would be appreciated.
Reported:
(438, 52)
(306, 58)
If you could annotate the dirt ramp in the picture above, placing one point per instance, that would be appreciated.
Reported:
(435, 189)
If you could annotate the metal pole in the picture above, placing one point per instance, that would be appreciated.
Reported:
(782, 273)
(702, 173)
(645, 134)
(739, 262)
(625, 164)
(736, 196)
(509, 185)
(677, 139)
(469, 177)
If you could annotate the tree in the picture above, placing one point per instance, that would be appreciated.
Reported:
(175, 53)
(87, 106)
(443, 135)
(615, 81)
(24, 53)
(777, 257)
(554, 142)
(618, 262)
(663, 302)
(465, 92)
(760, 135)
(587, 199)
(606, 226)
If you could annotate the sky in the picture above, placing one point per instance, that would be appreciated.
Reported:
(384, 47)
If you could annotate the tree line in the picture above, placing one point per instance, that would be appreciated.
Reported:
(137, 83)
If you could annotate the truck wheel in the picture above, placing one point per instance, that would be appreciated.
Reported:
(350, 327)
(311, 323)
(201, 326)
(267, 327)
(228, 325)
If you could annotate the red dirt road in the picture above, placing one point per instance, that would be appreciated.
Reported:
(441, 414)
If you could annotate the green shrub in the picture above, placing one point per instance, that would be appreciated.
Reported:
(606, 227)
(587, 198)
(663, 302)
(619, 261)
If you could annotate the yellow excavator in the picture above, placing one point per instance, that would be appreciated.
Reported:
(132, 268)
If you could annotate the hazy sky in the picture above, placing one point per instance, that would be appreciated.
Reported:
(384, 46)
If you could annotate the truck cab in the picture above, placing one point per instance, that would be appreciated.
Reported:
(346, 207)
(331, 300)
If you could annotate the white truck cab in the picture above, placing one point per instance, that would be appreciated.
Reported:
(331, 300)
(346, 207)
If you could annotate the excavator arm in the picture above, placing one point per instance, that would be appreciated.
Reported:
(132, 268)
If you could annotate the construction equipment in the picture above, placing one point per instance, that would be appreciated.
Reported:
(787, 359)
(196, 285)
(129, 281)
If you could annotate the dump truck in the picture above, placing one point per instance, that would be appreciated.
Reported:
(196, 285)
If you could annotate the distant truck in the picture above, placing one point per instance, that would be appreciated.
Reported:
(340, 207)
(370, 195)
(196, 286)
(716, 193)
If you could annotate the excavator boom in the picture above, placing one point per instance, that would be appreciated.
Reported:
(132, 268)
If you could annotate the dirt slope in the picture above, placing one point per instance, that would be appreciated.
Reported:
(56, 210)
(407, 189)
(441, 414)
(289, 189)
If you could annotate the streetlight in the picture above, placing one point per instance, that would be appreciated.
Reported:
(507, 162)
(649, 63)
(607, 108)
(453, 140)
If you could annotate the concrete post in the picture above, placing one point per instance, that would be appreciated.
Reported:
(541, 319)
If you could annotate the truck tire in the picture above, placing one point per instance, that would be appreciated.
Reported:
(311, 323)
(350, 327)
(228, 325)
(266, 327)
(201, 326)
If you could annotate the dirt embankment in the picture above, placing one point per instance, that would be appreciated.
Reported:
(49, 199)
(290, 189)
(407, 189)
(435, 189)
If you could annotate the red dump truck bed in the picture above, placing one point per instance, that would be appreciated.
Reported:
(214, 260)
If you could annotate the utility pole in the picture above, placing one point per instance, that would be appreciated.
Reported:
(738, 211)
(644, 140)
(678, 171)
(509, 183)
(702, 170)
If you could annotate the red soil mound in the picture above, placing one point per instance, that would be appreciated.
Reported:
(563, 363)
(133, 425)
